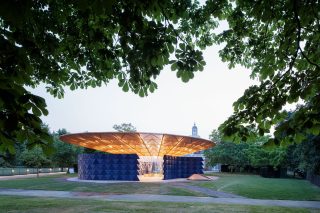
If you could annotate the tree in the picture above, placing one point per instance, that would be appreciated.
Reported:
(228, 153)
(8, 159)
(215, 136)
(279, 42)
(65, 155)
(60, 132)
(259, 156)
(35, 158)
(82, 44)
(252, 153)
(4, 162)
(246, 154)
(125, 127)
(305, 156)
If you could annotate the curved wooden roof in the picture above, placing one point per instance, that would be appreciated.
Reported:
(142, 144)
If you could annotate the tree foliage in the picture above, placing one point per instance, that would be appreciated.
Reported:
(228, 153)
(125, 127)
(252, 153)
(240, 155)
(279, 42)
(64, 155)
(305, 156)
(81, 44)
(215, 136)
(35, 158)
(61, 155)
(8, 159)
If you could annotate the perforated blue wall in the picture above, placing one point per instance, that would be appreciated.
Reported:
(181, 167)
(99, 166)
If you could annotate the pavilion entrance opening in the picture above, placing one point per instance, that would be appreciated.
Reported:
(150, 168)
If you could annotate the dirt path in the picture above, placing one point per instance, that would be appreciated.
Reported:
(159, 198)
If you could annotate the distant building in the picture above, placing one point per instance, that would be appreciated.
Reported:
(216, 168)
(195, 135)
(195, 131)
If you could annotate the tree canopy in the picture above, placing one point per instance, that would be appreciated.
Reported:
(36, 158)
(215, 136)
(125, 127)
(279, 41)
(81, 44)
(240, 155)
(64, 154)
(303, 156)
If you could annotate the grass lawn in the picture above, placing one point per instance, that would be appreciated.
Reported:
(59, 183)
(14, 204)
(251, 186)
(254, 186)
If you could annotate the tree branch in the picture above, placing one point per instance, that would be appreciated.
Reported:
(297, 19)
(174, 30)
(309, 61)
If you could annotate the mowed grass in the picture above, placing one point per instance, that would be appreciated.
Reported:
(251, 186)
(255, 186)
(59, 183)
(15, 204)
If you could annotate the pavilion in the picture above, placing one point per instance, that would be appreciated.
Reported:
(136, 155)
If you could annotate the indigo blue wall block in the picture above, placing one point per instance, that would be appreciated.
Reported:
(99, 166)
(181, 167)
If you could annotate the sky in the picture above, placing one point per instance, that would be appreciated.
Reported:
(173, 108)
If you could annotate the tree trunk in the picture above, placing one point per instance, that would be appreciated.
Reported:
(37, 172)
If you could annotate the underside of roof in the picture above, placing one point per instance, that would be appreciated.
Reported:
(142, 144)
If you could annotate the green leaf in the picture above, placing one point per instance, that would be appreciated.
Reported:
(36, 111)
(11, 149)
(141, 93)
(121, 83)
(267, 125)
(174, 66)
(72, 87)
(299, 137)
(44, 111)
(182, 46)
(170, 48)
(151, 88)
(125, 87)
(93, 84)
(315, 130)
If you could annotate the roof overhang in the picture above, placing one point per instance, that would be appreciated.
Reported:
(142, 144)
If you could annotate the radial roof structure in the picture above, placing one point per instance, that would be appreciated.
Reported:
(142, 144)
